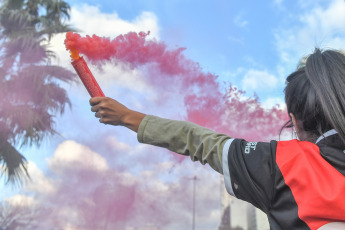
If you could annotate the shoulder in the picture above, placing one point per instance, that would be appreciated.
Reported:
(295, 151)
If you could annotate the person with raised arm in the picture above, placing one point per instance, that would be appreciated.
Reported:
(299, 184)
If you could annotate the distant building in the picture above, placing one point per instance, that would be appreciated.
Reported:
(146, 227)
(239, 215)
(242, 215)
(257, 220)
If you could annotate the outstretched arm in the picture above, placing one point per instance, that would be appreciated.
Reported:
(185, 138)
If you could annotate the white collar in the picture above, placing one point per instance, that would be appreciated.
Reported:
(326, 134)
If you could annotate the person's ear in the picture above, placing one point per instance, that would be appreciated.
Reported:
(294, 122)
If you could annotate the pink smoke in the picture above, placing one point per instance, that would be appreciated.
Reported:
(89, 198)
(230, 112)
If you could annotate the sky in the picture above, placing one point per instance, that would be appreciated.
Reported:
(250, 46)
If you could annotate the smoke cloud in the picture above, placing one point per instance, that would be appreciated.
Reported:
(206, 104)
(103, 181)
(82, 191)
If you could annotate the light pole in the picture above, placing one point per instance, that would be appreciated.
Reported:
(194, 182)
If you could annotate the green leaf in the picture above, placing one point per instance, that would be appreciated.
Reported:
(13, 164)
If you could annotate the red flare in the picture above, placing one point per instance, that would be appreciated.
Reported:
(87, 77)
(81, 67)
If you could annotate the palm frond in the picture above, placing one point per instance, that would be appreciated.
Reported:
(15, 22)
(13, 4)
(29, 125)
(13, 164)
(58, 9)
(49, 28)
(30, 91)
(50, 72)
(30, 105)
(25, 49)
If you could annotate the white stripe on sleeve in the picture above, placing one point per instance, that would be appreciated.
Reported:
(333, 226)
(226, 171)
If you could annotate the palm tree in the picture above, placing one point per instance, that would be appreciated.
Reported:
(30, 91)
(20, 216)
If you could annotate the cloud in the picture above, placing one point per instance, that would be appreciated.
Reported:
(333, 26)
(39, 182)
(239, 21)
(316, 26)
(90, 19)
(236, 40)
(115, 144)
(74, 157)
(274, 101)
(86, 187)
(278, 2)
(308, 4)
(21, 200)
(122, 199)
(136, 185)
(258, 80)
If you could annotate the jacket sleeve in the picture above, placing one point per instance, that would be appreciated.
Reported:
(185, 138)
(250, 170)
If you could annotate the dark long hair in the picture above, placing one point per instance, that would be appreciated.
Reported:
(315, 94)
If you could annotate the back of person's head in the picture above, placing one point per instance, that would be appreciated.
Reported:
(315, 94)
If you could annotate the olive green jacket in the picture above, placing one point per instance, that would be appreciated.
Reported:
(185, 138)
